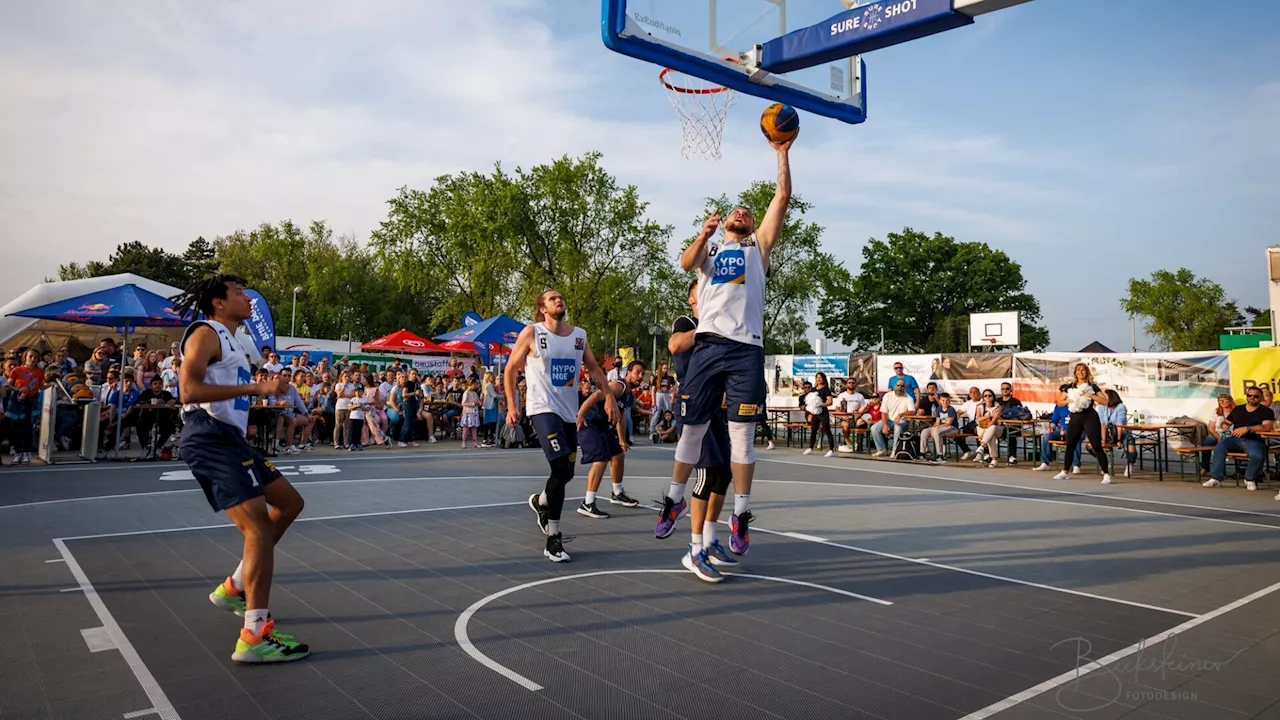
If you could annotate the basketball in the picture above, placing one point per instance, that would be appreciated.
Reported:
(780, 122)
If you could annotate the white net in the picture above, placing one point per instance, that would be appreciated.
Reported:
(702, 107)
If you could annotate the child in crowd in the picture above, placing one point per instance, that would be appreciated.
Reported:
(471, 413)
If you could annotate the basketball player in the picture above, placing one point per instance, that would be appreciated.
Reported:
(555, 352)
(727, 359)
(605, 445)
(714, 472)
(236, 479)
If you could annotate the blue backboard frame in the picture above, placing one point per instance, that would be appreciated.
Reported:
(623, 35)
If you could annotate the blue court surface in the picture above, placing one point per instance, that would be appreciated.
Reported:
(871, 590)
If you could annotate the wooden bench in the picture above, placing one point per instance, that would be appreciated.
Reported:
(1192, 452)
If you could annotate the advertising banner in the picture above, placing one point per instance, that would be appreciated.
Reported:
(806, 366)
(922, 367)
(1257, 367)
(436, 365)
(260, 327)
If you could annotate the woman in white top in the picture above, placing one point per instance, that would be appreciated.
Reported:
(1080, 397)
(345, 390)
(489, 409)
(376, 421)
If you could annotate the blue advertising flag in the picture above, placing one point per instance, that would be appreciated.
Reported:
(260, 326)
(471, 318)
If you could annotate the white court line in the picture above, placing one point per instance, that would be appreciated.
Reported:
(464, 641)
(139, 713)
(1070, 675)
(103, 465)
(56, 560)
(159, 701)
(998, 496)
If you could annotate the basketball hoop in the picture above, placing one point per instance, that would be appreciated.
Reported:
(702, 107)
(989, 340)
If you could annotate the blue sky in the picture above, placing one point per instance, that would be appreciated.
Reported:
(1092, 140)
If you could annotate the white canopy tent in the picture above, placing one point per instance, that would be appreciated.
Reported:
(22, 331)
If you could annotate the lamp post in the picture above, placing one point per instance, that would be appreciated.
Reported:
(293, 321)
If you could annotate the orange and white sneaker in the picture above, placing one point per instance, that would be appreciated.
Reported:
(269, 647)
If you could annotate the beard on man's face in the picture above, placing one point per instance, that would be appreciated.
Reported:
(738, 226)
(557, 315)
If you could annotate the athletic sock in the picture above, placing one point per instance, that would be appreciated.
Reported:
(553, 527)
(237, 577)
(676, 492)
(695, 545)
(617, 488)
(590, 499)
(740, 503)
(708, 533)
(255, 620)
(542, 499)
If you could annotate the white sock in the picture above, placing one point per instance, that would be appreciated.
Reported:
(740, 503)
(255, 620)
(617, 488)
(695, 545)
(708, 534)
(676, 493)
(553, 527)
(590, 498)
(237, 577)
(542, 499)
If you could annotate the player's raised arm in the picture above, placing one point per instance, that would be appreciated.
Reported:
(696, 254)
(771, 225)
(514, 365)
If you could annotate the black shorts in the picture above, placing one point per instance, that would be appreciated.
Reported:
(557, 437)
(715, 444)
(228, 468)
(721, 370)
(599, 444)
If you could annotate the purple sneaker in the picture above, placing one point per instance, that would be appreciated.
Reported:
(671, 512)
(739, 541)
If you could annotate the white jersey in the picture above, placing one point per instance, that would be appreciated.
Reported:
(232, 368)
(731, 291)
(551, 372)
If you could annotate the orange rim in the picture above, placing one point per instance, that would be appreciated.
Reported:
(662, 78)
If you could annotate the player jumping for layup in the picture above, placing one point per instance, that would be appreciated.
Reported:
(552, 353)
(727, 359)
(235, 477)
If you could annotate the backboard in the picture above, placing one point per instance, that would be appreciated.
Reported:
(993, 329)
(696, 36)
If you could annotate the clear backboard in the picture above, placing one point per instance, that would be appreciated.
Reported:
(714, 39)
(993, 329)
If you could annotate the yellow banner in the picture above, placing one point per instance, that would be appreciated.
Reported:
(1254, 367)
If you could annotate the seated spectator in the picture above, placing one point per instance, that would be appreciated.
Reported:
(1240, 434)
(893, 408)
(945, 424)
(1217, 427)
(989, 430)
(1007, 401)
(664, 431)
(148, 420)
(852, 402)
(930, 399)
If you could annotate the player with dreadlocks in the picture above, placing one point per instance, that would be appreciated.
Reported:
(215, 386)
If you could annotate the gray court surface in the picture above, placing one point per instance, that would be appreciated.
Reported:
(872, 590)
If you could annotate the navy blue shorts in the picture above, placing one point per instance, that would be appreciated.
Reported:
(228, 468)
(715, 444)
(598, 444)
(720, 369)
(557, 437)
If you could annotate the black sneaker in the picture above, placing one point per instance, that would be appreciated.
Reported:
(540, 511)
(591, 511)
(623, 499)
(555, 549)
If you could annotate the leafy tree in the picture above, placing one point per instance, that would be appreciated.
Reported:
(1182, 311)
(492, 243)
(133, 257)
(799, 270)
(200, 259)
(920, 291)
(1261, 317)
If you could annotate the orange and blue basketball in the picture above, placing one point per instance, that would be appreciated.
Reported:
(780, 122)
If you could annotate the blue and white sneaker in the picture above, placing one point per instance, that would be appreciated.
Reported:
(699, 565)
(718, 556)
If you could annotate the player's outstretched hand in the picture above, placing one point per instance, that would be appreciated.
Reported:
(711, 224)
(785, 147)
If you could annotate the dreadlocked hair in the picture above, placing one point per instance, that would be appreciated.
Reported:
(199, 295)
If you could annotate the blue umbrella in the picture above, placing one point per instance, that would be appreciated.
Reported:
(124, 306)
(497, 329)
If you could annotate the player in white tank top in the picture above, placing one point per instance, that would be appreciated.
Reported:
(731, 283)
(552, 354)
(215, 386)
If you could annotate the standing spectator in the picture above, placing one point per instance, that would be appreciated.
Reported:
(489, 406)
(355, 413)
(22, 406)
(175, 353)
(912, 388)
(150, 368)
(346, 389)
(817, 399)
(375, 414)
(272, 364)
(470, 412)
(1085, 420)
(408, 407)
(95, 368)
(1241, 435)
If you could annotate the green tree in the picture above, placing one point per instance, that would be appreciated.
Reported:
(800, 271)
(919, 290)
(491, 243)
(133, 257)
(1181, 311)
